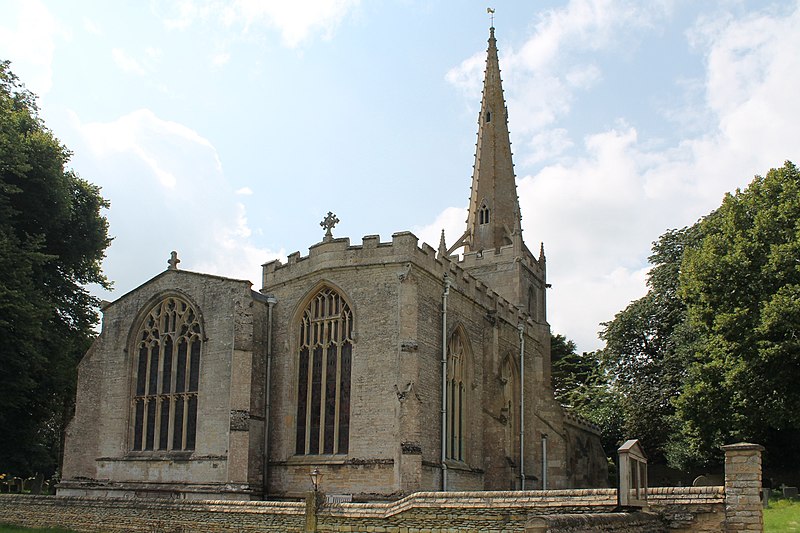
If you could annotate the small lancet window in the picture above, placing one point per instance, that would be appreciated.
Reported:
(488, 116)
(483, 214)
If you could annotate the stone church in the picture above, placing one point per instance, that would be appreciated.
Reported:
(390, 367)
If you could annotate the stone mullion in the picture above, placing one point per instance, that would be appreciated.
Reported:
(187, 364)
(147, 397)
(339, 324)
(309, 382)
(323, 388)
(173, 404)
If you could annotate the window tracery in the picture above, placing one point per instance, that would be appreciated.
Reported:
(483, 214)
(167, 375)
(456, 396)
(323, 385)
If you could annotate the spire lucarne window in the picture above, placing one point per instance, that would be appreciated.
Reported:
(323, 384)
(167, 355)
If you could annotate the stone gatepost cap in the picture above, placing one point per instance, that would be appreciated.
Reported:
(742, 446)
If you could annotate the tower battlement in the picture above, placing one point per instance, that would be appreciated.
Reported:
(404, 253)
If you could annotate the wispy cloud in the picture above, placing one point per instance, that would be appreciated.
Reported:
(28, 38)
(168, 191)
(297, 21)
(599, 210)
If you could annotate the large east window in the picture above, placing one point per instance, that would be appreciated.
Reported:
(167, 367)
(323, 384)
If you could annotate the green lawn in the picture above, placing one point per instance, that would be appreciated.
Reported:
(782, 515)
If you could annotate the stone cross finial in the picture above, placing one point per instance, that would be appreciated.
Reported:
(328, 223)
(173, 261)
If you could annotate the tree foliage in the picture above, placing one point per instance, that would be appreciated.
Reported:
(581, 384)
(741, 285)
(52, 241)
(711, 355)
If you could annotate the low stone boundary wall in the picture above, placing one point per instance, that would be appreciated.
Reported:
(689, 509)
(553, 511)
(151, 516)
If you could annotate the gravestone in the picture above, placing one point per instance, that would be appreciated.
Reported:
(790, 492)
(36, 485)
(709, 480)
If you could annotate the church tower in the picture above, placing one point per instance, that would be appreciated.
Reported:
(494, 250)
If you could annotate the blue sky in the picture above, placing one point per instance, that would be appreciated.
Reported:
(226, 130)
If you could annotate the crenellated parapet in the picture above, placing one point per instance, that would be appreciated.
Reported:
(403, 250)
(580, 422)
(505, 254)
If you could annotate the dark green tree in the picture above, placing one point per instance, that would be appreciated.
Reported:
(581, 383)
(711, 355)
(648, 345)
(741, 285)
(52, 241)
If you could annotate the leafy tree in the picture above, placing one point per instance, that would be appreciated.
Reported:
(647, 348)
(711, 355)
(581, 383)
(52, 241)
(741, 285)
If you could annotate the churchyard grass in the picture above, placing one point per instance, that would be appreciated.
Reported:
(782, 516)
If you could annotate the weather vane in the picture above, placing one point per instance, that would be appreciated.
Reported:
(490, 10)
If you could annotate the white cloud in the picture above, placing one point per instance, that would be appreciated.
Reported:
(220, 58)
(599, 210)
(245, 191)
(150, 58)
(547, 69)
(168, 192)
(28, 39)
(126, 63)
(91, 27)
(297, 21)
(452, 220)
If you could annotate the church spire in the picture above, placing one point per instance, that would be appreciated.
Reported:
(494, 216)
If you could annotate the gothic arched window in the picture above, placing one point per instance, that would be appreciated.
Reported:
(456, 395)
(483, 214)
(323, 384)
(167, 355)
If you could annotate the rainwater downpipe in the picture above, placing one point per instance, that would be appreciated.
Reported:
(444, 380)
(521, 329)
(271, 301)
(544, 461)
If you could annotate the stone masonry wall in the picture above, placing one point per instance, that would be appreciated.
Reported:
(557, 511)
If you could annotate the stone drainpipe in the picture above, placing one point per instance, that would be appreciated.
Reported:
(743, 508)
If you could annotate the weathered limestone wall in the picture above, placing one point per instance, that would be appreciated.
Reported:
(226, 459)
(689, 509)
(557, 511)
(395, 292)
